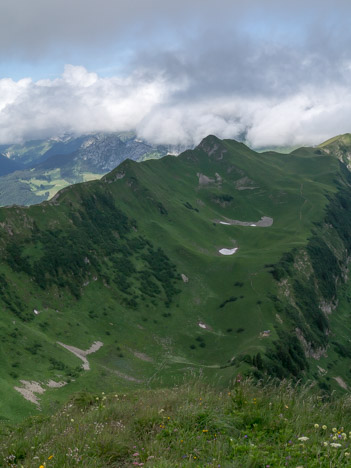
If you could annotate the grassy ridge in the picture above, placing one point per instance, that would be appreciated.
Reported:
(103, 262)
(194, 425)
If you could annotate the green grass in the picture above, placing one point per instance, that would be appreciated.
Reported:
(85, 261)
(246, 425)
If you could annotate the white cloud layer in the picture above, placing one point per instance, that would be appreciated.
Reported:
(272, 72)
(162, 110)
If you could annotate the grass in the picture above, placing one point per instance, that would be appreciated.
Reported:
(194, 425)
(68, 259)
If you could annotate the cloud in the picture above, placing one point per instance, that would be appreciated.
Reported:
(273, 72)
(31, 30)
(149, 102)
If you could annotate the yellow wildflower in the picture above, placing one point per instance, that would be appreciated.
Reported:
(334, 429)
(316, 426)
(51, 456)
(324, 427)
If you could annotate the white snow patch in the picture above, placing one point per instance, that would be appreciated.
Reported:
(202, 325)
(252, 224)
(228, 251)
(222, 222)
(36, 312)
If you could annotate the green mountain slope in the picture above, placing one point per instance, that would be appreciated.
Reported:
(36, 170)
(125, 275)
(339, 146)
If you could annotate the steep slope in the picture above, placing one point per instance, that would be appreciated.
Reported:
(49, 165)
(125, 279)
(339, 146)
(7, 166)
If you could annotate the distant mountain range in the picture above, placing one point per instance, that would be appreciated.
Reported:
(34, 171)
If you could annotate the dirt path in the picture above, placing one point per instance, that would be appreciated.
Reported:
(81, 354)
(123, 376)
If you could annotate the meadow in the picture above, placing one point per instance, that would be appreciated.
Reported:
(248, 425)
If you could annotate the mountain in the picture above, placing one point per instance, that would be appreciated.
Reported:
(221, 261)
(38, 169)
(339, 146)
(7, 166)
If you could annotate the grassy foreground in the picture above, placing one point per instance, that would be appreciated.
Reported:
(249, 425)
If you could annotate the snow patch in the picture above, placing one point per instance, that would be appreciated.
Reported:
(228, 251)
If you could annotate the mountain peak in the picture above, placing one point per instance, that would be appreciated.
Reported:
(344, 139)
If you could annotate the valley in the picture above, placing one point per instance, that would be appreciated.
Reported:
(133, 261)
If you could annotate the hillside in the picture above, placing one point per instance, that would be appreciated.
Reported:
(36, 170)
(192, 425)
(124, 281)
(340, 147)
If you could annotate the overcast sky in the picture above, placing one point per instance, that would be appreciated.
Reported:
(269, 72)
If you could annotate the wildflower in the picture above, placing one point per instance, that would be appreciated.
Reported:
(335, 438)
(51, 456)
(333, 444)
(347, 454)
(324, 427)
(136, 454)
(303, 438)
(204, 430)
(316, 426)
(41, 466)
(325, 444)
(343, 435)
(72, 420)
(334, 429)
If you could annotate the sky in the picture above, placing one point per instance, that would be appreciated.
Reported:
(267, 72)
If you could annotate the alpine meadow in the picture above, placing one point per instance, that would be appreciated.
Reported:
(175, 234)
